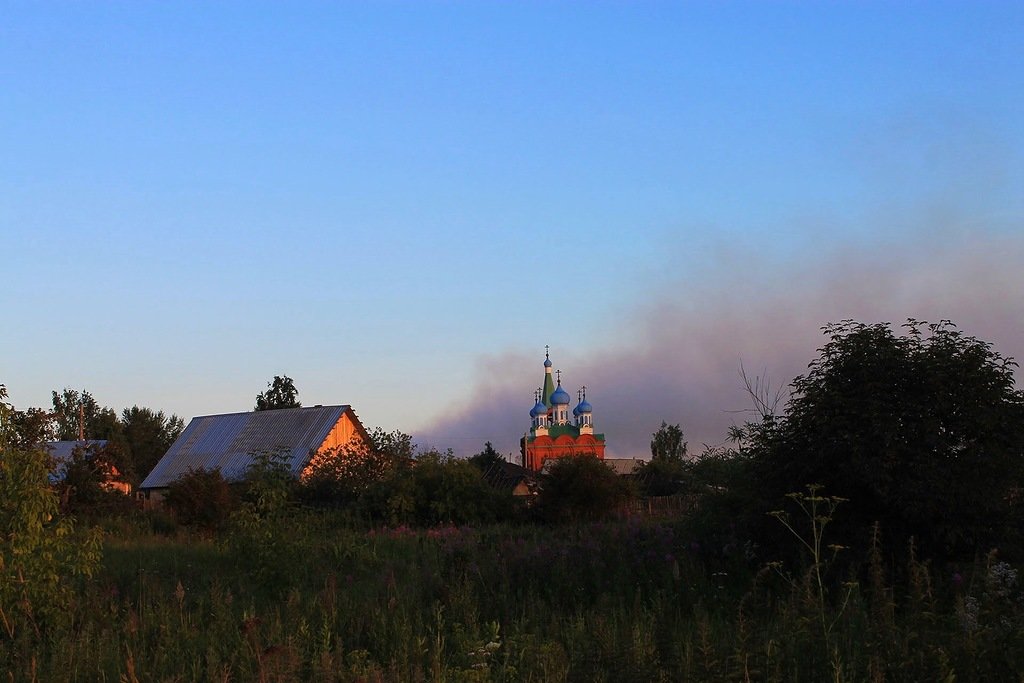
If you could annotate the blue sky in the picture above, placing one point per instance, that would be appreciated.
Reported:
(382, 200)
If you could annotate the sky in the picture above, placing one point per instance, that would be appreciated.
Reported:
(399, 204)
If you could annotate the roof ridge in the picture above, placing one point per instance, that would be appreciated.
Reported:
(276, 410)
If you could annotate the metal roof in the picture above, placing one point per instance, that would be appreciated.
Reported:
(229, 442)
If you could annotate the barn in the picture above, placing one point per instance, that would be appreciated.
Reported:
(229, 442)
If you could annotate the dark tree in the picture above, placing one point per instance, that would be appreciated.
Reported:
(922, 432)
(581, 487)
(72, 409)
(84, 488)
(32, 427)
(281, 393)
(394, 445)
(341, 476)
(665, 473)
(148, 435)
(667, 443)
(439, 489)
(487, 458)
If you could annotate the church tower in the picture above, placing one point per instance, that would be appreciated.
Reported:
(552, 433)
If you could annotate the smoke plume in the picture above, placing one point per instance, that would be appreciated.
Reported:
(681, 358)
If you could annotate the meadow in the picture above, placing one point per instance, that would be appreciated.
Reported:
(308, 595)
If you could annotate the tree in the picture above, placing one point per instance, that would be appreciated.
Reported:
(32, 427)
(665, 473)
(84, 487)
(341, 475)
(922, 432)
(395, 446)
(148, 435)
(39, 552)
(439, 489)
(280, 393)
(487, 458)
(72, 409)
(667, 443)
(581, 487)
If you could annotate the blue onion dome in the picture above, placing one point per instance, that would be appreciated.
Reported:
(547, 363)
(538, 410)
(576, 411)
(560, 397)
(584, 407)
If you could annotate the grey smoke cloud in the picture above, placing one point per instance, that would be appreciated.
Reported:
(681, 358)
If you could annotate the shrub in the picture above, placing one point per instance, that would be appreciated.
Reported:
(39, 552)
(437, 489)
(268, 483)
(201, 498)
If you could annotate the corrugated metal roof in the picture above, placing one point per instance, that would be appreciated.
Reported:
(228, 442)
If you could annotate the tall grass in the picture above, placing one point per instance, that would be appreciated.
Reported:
(307, 596)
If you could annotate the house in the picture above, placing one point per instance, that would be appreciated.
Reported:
(552, 434)
(625, 467)
(511, 478)
(229, 442)
(63, 452)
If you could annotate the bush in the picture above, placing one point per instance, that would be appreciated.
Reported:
(268, 484)
(436, 489)
(201, 498)
(342, 475)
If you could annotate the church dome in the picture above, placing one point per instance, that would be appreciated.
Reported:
(560, 397)
(547, 362)
(584, 407)
(538, 410)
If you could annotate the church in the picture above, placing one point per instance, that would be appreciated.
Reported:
(552, 434)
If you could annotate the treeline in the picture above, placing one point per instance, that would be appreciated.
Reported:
(917, 430)
(136, 438)
(916, 433)
(387, 482)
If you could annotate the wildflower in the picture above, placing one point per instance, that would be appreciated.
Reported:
(1001, 579)
(968, 613)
